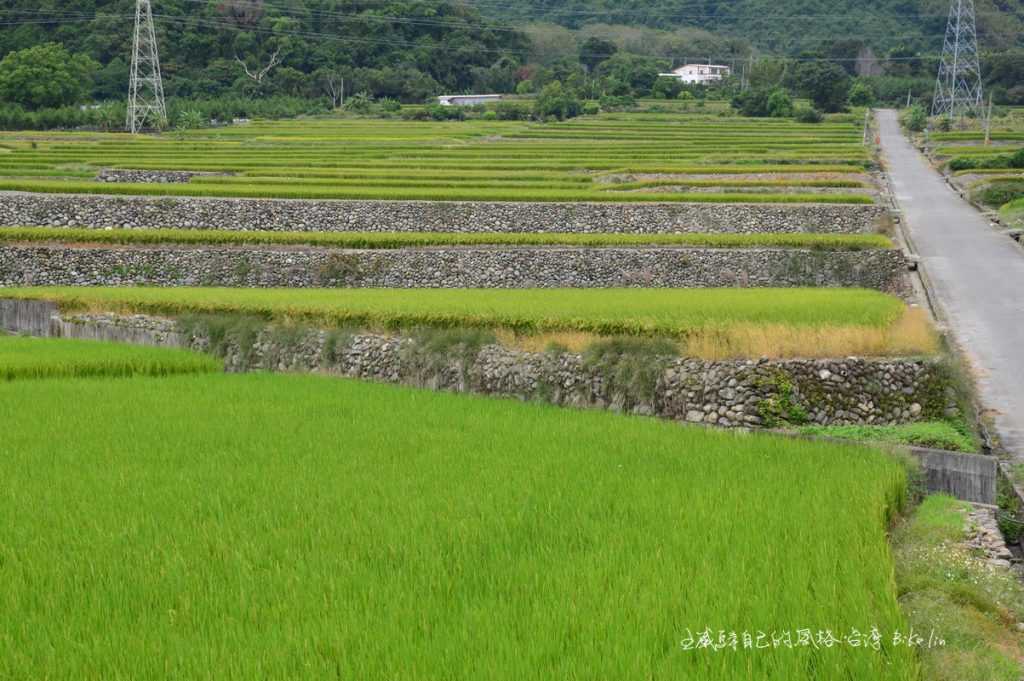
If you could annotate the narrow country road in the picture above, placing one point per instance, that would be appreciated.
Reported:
(976, 277)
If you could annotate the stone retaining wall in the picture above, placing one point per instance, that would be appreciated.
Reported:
(496, 267)
(757, 393)
(149, 176)
(431, 216)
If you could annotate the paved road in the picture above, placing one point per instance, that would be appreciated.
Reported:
(976, 277)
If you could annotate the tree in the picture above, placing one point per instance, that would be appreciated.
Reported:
(595, 50)
(861, 94)
(779, 104)
(46, 76)
(807, 114)
(666, 87)
(638, 72)
(258, 75)
(824, 83)
(915, 119)
(752, 102)
(331, 83)
(555, 101)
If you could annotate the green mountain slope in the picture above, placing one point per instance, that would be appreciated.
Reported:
(785, 25)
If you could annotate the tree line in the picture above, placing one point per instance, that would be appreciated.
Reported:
(235, 58)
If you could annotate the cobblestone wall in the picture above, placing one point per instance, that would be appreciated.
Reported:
(431, 216)
(493, 267)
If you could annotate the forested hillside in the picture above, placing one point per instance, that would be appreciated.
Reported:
(786, 26)
(59, 54)
(401, 48)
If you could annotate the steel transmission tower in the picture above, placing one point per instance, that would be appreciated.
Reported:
(145, 88)
(958, 87)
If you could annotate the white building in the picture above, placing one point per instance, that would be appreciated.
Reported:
(467, 100)
(699, 73)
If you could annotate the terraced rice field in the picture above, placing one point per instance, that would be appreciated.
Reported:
(707, 323)
(361, 240)
(632, 311)
(22, 358)
(261, 526)
(589, 159)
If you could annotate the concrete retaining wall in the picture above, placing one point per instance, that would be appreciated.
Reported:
(971, 477)
(496, 267)
(431, 216)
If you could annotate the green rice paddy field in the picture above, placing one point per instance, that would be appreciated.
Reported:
(588, 159)
(606, 311)
(385, 240)
(47, 358)
(274, 526)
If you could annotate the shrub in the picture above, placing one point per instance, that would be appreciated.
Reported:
(963, 163)
(415, 115)
(808, 114)
(914, 119)
(1015, 160)
(512, 111)
(390, 105)
(617, 102)
(446, 113)
(190, 120)
(753, 102)
(591, 109)
(361, 102)
(998, 193)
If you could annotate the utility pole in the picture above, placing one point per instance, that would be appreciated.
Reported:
(988, 121)
(145, 87)
(908, 97)
(867, 125)
(958, 85)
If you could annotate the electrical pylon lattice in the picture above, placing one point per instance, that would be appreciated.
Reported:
(958, 86)
(145, 87)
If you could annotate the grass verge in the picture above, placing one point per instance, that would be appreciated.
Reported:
(943, 589)
(1013, 213)
(933, 434)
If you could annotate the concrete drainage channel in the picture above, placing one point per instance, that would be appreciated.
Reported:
(728, 393)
